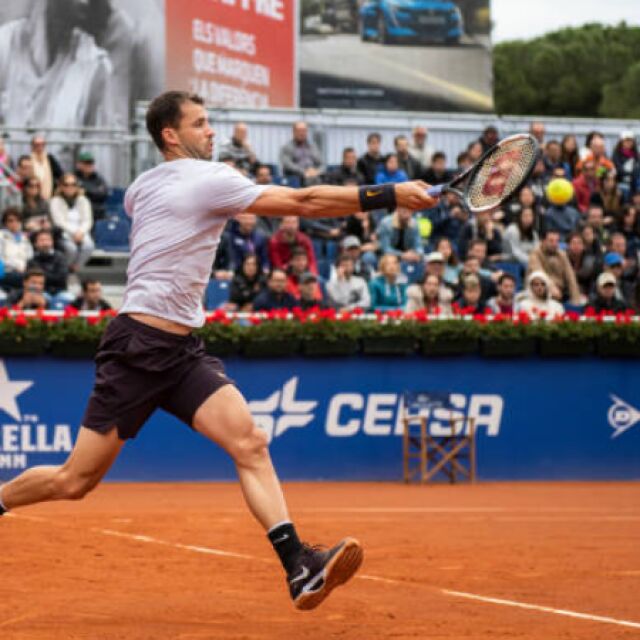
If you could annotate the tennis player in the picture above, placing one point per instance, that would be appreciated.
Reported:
(149, 358)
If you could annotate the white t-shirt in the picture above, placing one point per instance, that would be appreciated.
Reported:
(178, 211)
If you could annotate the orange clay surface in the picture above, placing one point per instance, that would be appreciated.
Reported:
(144, 561)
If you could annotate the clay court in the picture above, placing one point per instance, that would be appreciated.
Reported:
(186, 561)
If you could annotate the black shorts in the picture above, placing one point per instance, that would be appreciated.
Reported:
(140, 368)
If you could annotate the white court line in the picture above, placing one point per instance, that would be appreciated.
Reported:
(536, 607)
(447, 592)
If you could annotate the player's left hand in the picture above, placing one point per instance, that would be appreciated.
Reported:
(413, 195)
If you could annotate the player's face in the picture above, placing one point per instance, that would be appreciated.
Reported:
(194, 134)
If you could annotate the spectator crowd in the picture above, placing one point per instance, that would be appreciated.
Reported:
(536, 254)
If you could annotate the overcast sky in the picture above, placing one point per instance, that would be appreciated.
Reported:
(524, 19)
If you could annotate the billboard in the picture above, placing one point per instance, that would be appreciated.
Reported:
(410, 55)
(234, 53)
(341, 419)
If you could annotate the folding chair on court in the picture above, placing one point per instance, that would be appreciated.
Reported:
(444, 447)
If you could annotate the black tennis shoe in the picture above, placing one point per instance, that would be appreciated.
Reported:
(318, 572)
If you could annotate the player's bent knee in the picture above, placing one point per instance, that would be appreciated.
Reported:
(70, 486)
(252, 449)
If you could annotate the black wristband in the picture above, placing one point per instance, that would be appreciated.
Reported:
(379, 196)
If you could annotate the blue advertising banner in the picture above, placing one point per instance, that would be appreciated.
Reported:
(340, 419)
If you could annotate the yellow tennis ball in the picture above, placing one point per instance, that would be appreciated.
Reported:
(425, 227)
(559, 191)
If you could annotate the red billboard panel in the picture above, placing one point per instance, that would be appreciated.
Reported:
(234, 53)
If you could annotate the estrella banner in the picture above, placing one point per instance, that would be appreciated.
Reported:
(340, 419)
(234, 53)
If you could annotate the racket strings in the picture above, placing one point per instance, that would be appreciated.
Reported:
(501, 173)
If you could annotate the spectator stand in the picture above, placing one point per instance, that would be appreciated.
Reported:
(444, 448)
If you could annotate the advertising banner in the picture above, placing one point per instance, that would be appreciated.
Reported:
(234, 53)
(410, 55)
(342, 419)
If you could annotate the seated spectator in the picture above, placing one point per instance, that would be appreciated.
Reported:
(470, 300)
(425, 295)
(399, 235)
(362, 227)
(526, 199)
(32, 296)
(244, 239)
(45, 166)
(448, 217)
(627, 162)
(605, 298)
(478, 249)
(552, 158)
(15, 250)
(609, 197)
(628, 224)
(552, 261)
(24, 171)
(563, 218)
(489, 138)
(434, 265)
(437, 173)
(463, 162)
(385, 290)
(221, 268)
(407, 162)
(347, 173)
(419, 148)
(36, 213)
(93, 185)
(390, 171)
(311, 296)
(537, 180)
(504, 301)
(471, 266)
(71, 211)
(451, 263)
(363, 263)
(592, 243)
(5, 159)
(263, 175)
(596, 220)
(247, 283)
(481, 227)
(345, 290)
(299, 267)
(372, 160)
(50, 261)
(91, 298)
(239, 150)
(537, 129)
(596, 153)
(614, 264)
(287, 238)
(275, 296)
(617, 245)
(521, 238)
(300, 158)
(538, 301)
(585, 265)
(585, 185)
(569, 146)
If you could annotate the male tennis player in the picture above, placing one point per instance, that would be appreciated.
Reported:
(148, 357)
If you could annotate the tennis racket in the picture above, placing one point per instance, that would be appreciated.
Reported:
(496, 176)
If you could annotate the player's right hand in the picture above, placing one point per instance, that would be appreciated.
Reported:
(413, 195)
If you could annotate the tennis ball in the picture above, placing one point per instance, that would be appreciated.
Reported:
(425, 227)
(559, 191)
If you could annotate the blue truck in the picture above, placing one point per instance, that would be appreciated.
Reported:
(430, 21)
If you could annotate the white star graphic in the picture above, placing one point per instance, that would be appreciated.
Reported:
(9, 391)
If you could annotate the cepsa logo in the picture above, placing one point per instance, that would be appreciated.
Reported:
(373, 414)
(26, 433)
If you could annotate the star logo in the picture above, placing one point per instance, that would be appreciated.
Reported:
(9, 391)
(281, 411)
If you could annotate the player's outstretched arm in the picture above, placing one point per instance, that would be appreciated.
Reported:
(324, 201)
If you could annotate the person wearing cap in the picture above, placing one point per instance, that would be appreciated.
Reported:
(627, 162)
(345, 290)
(435, 265)
(622, 263)
(537, 300)
(311, 296)
(363, 264)
(92, 183)
(363, 226)
(605, 298)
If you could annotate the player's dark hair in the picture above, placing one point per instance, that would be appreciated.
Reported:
(165, 111)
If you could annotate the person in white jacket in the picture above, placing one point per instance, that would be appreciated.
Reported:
(537, 301)
(71, 211)
(15, 249)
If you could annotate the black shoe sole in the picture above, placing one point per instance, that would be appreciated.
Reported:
(339, 570)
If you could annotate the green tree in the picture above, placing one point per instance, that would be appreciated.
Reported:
(591, 71)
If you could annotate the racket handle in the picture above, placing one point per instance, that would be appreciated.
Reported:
(435, 192)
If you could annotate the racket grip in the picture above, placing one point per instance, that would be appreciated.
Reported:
(435, 192)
